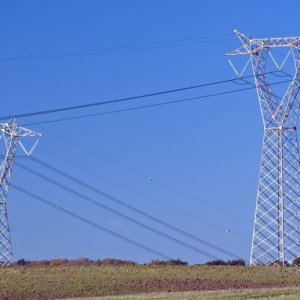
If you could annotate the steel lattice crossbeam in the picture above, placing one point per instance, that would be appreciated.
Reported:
(10, 133)
(276, 232)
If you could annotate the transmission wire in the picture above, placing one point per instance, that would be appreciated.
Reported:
(140, 193)
(129, 207)
(132, 220)
(87, 221)
(130, 47)
(93, 104)
(160, 182)
(143, 175)
(149, 105)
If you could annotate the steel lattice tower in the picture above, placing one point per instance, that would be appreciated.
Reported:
(276, 232)
(11, 134)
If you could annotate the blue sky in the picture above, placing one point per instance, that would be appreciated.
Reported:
(209, 149)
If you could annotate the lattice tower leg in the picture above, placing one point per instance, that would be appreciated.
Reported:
(276, 227)
(6, 253)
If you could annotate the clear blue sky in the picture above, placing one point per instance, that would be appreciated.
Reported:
(209, 149)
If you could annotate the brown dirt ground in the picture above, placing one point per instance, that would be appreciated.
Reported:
(177, 285)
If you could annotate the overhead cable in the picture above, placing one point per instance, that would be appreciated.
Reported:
(131, 207)
(149, 105)
(175, 208)
(145, 176)
(99, 103)
(130, 47)
(87, 221)
(113, 211)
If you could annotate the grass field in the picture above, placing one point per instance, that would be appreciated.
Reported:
(71, 281)
(275, 294)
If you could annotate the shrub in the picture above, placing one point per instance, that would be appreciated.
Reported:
(58, 261)
(278, 263)
(22, 262)
(216, 262)
(40, 262)
(236, 262)
(157, 262)
(114, 261)
(176, 262)
(80, 261)
(296, 261)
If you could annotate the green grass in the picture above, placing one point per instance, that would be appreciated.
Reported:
(276, 294)
(60, 282)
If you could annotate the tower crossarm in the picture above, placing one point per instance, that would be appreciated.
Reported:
(254, 46)
(14, 130)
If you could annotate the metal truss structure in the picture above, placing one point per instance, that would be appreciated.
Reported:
(10, 133)
(276, 232)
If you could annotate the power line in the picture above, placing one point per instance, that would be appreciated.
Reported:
(94, 104)
(161, 183)
(113, 211)
(130, 207)
(130, 47)
(149, 105)
(140, 193)
(87, 221)
(186, 194)
(145, 176)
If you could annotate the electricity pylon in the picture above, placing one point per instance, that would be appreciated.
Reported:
(276, 232)
(11, 134)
